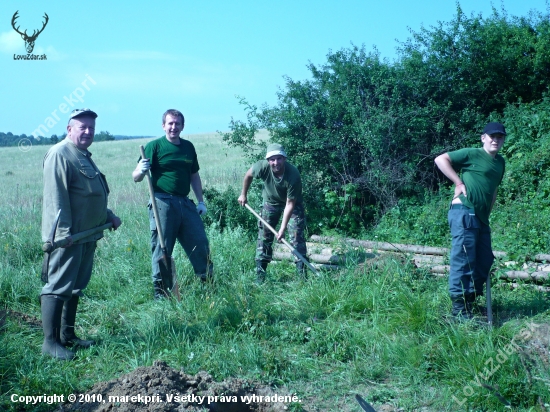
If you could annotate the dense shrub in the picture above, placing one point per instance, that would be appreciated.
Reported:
(364, 131)
(226, 212)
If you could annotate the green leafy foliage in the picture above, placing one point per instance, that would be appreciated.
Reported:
(226, 212)
(520, 220)
(375, 125)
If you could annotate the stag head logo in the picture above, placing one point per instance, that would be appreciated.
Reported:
(29, 40)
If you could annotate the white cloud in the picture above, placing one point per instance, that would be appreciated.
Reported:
(11, 42)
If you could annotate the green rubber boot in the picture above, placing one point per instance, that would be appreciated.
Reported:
(261, 267)
(52, 307)
(68, 337)
(301, 270)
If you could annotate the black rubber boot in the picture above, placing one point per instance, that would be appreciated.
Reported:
(460, 309)
(52, 307)
(261, 267)
(207, 277)
(160, 292)
(68, 316)
(472, 306)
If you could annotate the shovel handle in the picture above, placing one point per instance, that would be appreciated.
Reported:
(168, 261)
(489, 301)
(154, 204)
(288, 245)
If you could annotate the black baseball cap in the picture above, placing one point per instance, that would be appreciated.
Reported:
(82, 113)
(494, 128)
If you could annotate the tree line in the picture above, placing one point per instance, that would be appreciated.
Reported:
(10, 139)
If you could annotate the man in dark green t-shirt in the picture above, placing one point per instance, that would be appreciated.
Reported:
(174, 172)
(282, 195)
(475, 194)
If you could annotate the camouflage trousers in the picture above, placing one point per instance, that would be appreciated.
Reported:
(295, 231)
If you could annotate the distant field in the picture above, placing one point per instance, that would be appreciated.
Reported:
(21, 175)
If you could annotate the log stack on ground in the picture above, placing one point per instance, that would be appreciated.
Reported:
(334, 253)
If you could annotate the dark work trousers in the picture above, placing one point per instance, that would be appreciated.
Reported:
(179, 221)
(295, 231)
(471, 252)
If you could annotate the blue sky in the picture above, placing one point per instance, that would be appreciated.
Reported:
(130, 61)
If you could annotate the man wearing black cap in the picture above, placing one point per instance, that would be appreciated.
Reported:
(474, 196)
(76, 189)
(282, 195)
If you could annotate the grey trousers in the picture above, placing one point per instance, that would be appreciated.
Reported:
(70, 270)
(179, 221)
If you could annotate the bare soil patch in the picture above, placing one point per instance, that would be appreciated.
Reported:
(20, 318)
(171, 390)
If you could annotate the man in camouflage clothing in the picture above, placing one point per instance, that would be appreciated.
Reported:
(282, 195)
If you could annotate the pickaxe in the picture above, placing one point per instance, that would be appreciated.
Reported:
(288, 245)
(50, 245)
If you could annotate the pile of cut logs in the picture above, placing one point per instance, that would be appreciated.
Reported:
(333, 253)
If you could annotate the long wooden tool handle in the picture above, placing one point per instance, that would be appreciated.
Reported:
(288, 245)
(489, 301)
(168, 260)
(48, 247)
(87, 233)
(153, 202)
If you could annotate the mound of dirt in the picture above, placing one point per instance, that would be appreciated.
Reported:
(161, 388)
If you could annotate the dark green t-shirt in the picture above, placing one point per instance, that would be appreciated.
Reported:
(277, 190)
(481, 174)
(172, 165)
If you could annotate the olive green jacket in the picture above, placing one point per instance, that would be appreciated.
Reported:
(74, 185)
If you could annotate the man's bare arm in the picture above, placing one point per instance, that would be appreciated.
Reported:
(289, 208)
(247, 181)
(444, 164)
(196, 185)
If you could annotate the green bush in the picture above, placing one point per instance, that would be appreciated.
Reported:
(362, 122)
(225, 211)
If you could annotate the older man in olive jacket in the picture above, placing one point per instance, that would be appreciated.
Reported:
(74, 186)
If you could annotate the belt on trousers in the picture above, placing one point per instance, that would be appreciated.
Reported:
(169, 196)
(460, 206)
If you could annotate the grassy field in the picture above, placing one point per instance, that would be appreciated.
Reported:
(379, 330)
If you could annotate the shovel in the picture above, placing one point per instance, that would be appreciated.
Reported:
(288, 245)
(167, 263)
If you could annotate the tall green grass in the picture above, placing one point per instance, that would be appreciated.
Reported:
(380, 330)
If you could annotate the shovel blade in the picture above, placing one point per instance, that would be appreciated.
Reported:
(168, 274)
